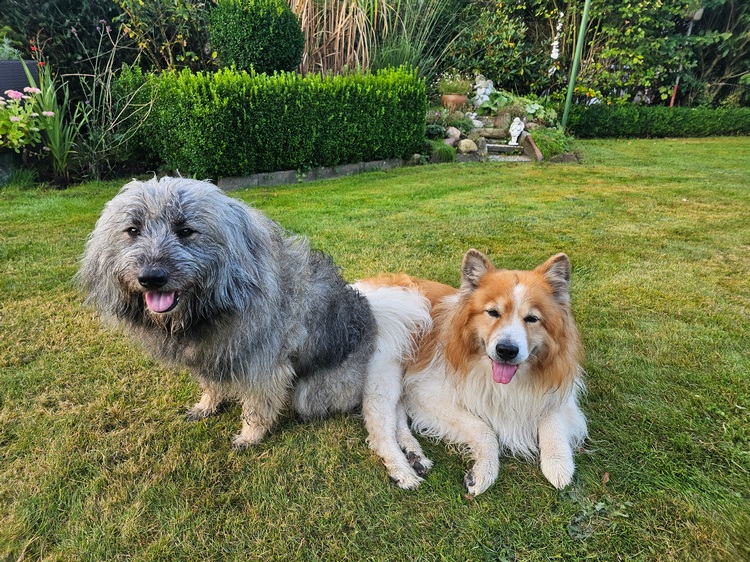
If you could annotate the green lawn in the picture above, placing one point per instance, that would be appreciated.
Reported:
(96, 462)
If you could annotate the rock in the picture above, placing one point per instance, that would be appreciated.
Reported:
(502, 121)
(467, 146)
(490, 133)
(453, 133)
(564, 158)
(450, 141)
(473, 157)
(481, 143)
(530, 126)
(415, 159)
(530, 149)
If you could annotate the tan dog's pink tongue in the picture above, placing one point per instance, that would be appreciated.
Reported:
(159, 302)
(502, 372)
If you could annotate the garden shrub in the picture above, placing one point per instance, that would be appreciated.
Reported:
(551, 141)
(264, 35)
(601, 121)
(232, 123)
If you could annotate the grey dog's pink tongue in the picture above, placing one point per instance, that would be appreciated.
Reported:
(160, 302)
(502, 372)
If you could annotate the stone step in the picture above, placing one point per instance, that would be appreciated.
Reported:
(508, 158)
(503, 148)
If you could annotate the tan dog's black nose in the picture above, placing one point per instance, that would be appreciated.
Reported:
(506, 351)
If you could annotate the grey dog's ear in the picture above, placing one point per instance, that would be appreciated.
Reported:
(473, 268)
(556, 270)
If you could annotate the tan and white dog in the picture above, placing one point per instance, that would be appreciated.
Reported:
(497, 372)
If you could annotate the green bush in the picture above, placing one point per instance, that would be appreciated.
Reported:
(602, 121)
(263, 35)
(551, 141)
(232, 123)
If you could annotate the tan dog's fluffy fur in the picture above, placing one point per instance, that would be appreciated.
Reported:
(499, 370)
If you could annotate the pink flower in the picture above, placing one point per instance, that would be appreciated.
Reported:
(14, 118)
(30, 90)
(48, 113)
(13, 94)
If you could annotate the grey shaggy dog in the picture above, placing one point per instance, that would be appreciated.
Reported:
(207, 283)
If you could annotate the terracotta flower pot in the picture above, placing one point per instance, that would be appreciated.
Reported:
(454, 101)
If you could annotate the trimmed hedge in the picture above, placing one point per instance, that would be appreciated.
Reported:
(602, 121)
(231, 123)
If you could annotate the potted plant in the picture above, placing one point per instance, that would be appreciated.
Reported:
(453, 88)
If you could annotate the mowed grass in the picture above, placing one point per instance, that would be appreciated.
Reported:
(97, 463)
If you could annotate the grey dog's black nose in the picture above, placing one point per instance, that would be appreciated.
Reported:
(153, 277)
(506, 351)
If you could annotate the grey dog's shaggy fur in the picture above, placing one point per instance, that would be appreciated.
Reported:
(207, 283)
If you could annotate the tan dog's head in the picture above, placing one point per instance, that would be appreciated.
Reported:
(518, 317)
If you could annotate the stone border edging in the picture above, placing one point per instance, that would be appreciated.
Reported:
(269, 179)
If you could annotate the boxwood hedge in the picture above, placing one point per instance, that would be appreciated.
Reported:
(602, 121)
(230, 123)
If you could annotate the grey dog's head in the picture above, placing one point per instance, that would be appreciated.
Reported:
(175, 253)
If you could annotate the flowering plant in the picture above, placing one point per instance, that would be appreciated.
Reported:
(453, 83)
(20, 124)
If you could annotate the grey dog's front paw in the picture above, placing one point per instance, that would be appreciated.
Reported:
(197, 413)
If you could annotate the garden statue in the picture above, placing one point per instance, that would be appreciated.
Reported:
(474, 121)
(516, 128)
(483, 89)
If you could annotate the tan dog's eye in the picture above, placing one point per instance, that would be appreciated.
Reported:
(493, 313)
(531, 319)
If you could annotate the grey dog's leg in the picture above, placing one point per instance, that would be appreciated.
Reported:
(254, 426)
(261, 406)
(330, 391)
(211, 399)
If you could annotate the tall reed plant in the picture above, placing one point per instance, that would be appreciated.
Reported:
(110, 116)
(339, 34)
(417, 34)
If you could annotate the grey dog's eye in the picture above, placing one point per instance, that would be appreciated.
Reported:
(133, 231)
(185, 232)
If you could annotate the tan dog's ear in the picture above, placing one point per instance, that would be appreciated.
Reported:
(556, 271)
(473, 268)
